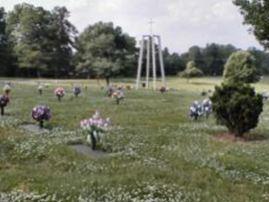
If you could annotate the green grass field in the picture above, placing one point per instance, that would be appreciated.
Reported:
(154, 152)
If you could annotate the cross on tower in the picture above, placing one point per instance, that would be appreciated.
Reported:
(151, 22)
(150, 44)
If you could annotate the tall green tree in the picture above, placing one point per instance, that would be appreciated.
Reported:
(27, 28)
(41, 40)
(195, 55)
(241, 68)
(256, 14)
(214, 59)
(211, 59)
(5, 54)
(261, 60)
(103, 50)
(61, 34)
(173, 63)
(191, 71)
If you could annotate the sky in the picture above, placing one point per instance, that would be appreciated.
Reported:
(180, 23)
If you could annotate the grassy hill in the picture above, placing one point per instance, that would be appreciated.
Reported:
(153, 153)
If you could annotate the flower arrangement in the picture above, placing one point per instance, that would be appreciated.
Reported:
(110, 90)
(207, 107)
(40, 89)
(199, 109)
(95, 128)
(118, 95)
(4, 100)
(128, 87)
(59, 92)
(76, 91)
(196, 110)
(41, 113)
(163, 89)
(7, 89)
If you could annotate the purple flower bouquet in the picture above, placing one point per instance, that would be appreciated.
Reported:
(41, 113)
(76, 91)
(4, 100)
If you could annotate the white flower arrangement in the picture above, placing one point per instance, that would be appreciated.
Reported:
(95, 128)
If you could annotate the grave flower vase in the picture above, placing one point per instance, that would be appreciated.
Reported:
(93, 140)
(2, 110)
(7, 92)
(41, 124)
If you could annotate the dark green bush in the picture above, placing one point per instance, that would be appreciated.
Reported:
(237, 107)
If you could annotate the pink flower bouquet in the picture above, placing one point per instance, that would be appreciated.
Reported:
(95, 128)
(59, 92)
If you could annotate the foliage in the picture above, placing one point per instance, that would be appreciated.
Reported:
(38, 42)
(103, 50)
(191, 71)
(6, 66)
(261, 60)
(240, 67)
(256, 14)
(173, 62)
(41, 40)
(210, 59)
(237, 107)
(62, 34)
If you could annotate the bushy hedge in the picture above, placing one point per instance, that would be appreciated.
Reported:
(241, 67)
(237, 106)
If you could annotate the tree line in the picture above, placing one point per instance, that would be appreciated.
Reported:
(35, 42)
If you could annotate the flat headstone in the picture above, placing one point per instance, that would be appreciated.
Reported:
(32, 128)
(87, 151)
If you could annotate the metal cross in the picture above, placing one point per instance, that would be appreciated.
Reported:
(151, 22)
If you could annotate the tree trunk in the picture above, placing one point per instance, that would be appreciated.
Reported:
(59, 98)
(107, 81)
(38, 73)
(28, 72)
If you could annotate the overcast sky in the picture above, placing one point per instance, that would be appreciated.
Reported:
(181, 23)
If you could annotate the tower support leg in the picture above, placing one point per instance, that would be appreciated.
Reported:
(161, 61)
(153, 62)
(140, 60)
(148, 62)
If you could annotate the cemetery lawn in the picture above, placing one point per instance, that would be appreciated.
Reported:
(153, 153)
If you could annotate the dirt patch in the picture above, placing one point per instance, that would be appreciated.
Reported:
(246, 138)
(87, 151)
